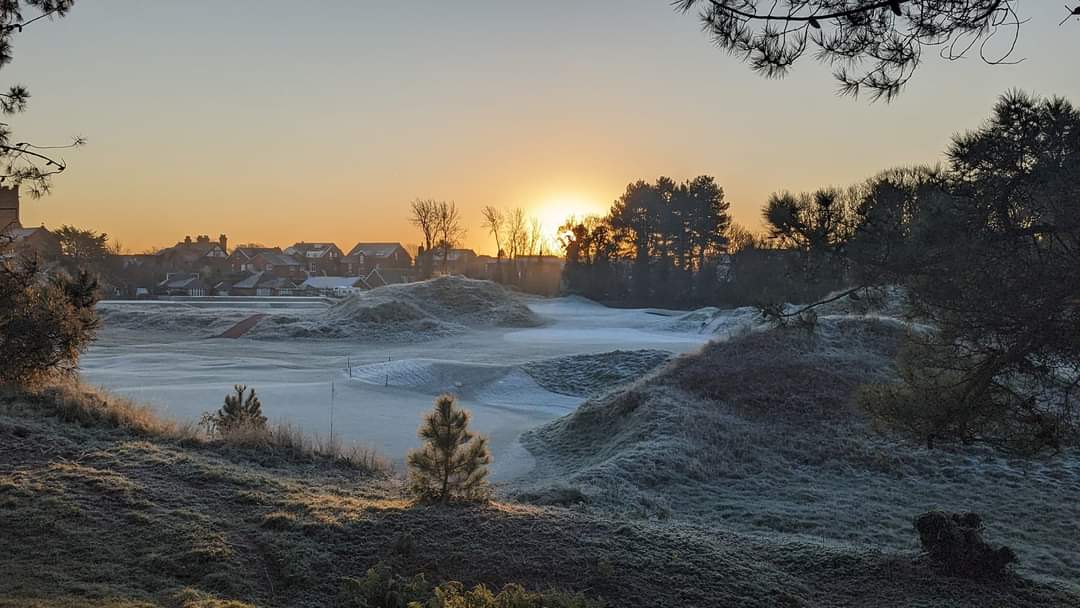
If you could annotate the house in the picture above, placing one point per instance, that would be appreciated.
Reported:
(183, 284)
(457, 261)
(334, 286)
(279, 265)
(317, 258)
(16, 241)
(241, 259)
(263, 283)
(198, 255)
(378, 277)
(365, 257)
(139, 274)
(541, 274)
(28, 242)
(9, 207)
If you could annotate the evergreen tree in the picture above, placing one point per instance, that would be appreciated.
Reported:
(875, 47)
(240, 410)
(45, 322)
(453, 461)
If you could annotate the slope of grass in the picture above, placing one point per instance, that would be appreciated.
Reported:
(759, 434)
(114, 515)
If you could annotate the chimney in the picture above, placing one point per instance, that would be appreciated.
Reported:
(9, 207)
(224, 241)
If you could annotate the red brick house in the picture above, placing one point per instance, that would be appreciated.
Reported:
(279, 265)
(320, 259)
(198, 255)
(242, 258)
(365, 257)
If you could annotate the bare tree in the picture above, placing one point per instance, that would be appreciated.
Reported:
(425, 216)
(517, 233)
(873, 46)
(494, 222)
(448, 229)
(536, 236)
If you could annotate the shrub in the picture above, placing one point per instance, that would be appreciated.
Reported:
(240, 413)
(946, 394)
(45, 322)
(954, 544)
(382, 588)
(452, 464)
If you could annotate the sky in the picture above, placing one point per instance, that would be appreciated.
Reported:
(278, 121)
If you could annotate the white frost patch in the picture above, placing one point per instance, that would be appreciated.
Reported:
(490, 384)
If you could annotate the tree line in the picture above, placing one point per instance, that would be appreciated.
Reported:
(986, 249)
(517, 235)
(661, 243)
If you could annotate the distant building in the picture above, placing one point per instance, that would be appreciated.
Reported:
(365, 257)
(279, 265)
(242, 258)
(334, 286)
(540, 274)
(198, 255)
(183, 284)
(16, 241)
(9, 207)
(317, 258)
(28, 242)
(264, 284)
(457, 261)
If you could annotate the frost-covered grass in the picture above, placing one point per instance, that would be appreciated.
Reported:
(592, 374)
(404, 313)
(88, 406)
(759, 434)
(409, 312)
(96, 516)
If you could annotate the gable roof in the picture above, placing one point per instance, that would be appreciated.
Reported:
(313, 250)
(279, 259)
(18, 233)
(454, 254)
(182, 281)
(334, 282)
(250, 252)
(377, 250)
(249, 282)
(193, 251)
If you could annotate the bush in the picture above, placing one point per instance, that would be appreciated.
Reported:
(239, 415)
(45, 322)
(452, 464)
(946, 394)
(954, 544)
(382, 588)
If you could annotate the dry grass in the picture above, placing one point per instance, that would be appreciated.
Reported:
(72, 401)
(89, 406)
(289, 442)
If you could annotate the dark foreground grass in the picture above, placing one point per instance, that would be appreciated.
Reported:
(102, 516)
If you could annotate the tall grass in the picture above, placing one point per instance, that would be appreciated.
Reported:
(73, 402)
(289, 442)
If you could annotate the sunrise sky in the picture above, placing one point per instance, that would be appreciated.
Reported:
(277, 121)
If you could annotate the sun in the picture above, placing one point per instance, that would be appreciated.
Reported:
(554, 212)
